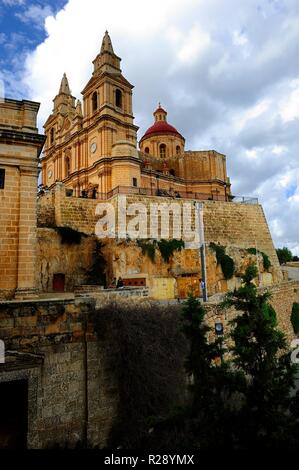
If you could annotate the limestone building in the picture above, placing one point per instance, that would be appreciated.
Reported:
(20, 147)
(93, 150)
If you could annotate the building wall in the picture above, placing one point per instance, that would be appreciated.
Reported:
(20, 145)
(73, 393)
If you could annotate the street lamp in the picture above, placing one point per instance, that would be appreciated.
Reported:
(219, 329)
(199, 208)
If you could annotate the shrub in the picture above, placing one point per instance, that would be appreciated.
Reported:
(226, 262)
(148, 249)
(168, 247)
(266, 261)
(284, 255)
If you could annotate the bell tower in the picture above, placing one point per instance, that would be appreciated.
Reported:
(108, 102)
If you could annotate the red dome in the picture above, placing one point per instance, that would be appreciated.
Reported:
(161, 127)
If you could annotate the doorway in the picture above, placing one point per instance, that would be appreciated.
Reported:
(58, 282)
(14, 414)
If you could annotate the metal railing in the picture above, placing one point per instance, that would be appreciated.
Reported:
(131, 191)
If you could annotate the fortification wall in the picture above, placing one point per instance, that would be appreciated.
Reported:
(236, 226)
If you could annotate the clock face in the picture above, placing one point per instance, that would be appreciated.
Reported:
(50, 174)
(93, 147)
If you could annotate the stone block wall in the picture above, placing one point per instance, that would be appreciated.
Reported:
(72, 395)
(9, 223)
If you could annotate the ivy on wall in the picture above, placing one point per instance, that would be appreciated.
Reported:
(226, 262)
(166, 248)
(148, 248)
(266, 261)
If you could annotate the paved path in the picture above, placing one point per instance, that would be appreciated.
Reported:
(293, 272)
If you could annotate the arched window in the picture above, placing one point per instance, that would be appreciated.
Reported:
(94, 101)
(67, 166)
(162, 150)
(178, 150)
(146, 150)
(172, 172)
(52, 136)
(118, 98)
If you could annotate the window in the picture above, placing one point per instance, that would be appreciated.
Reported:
(146, 150)
(118, 98)
(162, 150)
(178, 150)
(52, 135)
(2, 178)
(94, 101)
(67, 166)
(172, 172)
(135, 182)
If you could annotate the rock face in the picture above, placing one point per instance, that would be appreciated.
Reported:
(237, 227)
(125, 258)
(53, 257)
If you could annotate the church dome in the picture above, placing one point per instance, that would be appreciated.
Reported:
(161, 126)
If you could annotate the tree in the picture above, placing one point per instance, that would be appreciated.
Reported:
(284, 255)
(270, 413)
(207, 416)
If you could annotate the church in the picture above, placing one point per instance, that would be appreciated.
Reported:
(93, 148)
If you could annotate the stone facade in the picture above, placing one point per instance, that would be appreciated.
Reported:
(94, 150)
(20, 147)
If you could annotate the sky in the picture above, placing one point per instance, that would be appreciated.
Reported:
(226, 71)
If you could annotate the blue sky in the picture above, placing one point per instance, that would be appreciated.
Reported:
(227, 71)
(21, 30)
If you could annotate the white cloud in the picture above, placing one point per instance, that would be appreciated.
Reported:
(239, 38)
(253, 113)
(289, 109)
(2, 38)
(226, 75)
(12, 3)
(189, 45)
(35, 15)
